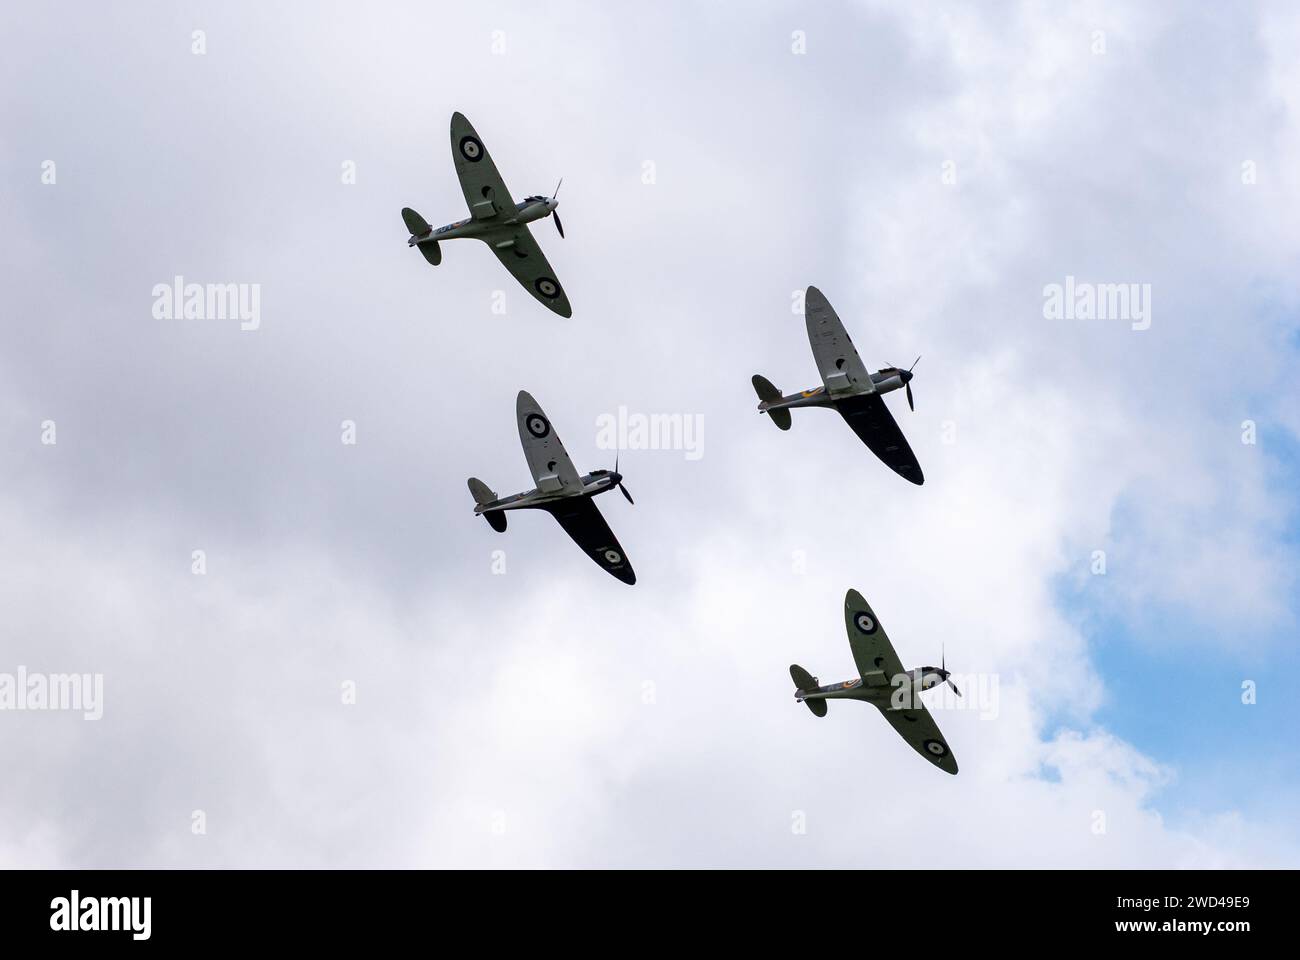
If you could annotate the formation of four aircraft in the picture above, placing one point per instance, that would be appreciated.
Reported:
(847, 387)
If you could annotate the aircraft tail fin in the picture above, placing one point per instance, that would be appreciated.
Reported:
(805, 681)
(483, 494)
(767, 393)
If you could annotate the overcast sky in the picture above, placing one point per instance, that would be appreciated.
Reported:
(931, 168)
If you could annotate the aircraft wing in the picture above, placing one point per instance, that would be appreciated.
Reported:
(872, 652)
(876, 427)
(552, 470)
(583, 522)
(837, 359)
(521, 255)
(485, 191)
(915, 725)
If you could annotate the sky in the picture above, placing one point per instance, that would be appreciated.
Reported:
(354, 671)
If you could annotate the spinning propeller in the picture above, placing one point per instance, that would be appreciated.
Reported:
(947, 678)
(622, 489)
(907, 387)
(559, 226)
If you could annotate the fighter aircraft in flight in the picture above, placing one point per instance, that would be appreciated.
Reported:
(849, 388)
(560, 492)
(884, 683)
(495, 219)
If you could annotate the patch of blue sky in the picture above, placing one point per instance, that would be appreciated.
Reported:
(1182, 703)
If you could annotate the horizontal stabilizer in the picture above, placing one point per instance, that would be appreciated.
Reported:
(770, 394)
(483, 494)
(432, 252)
(415, 223)
(803, 680)
(807, 683)
(480, 491)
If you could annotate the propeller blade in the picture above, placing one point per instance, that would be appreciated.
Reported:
(914, 363)
(943, 656)
(558, 226)
(557, 189)
(908, 388)
(623, 489)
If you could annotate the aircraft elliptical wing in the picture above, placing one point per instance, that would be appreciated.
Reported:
(520, 254)
(582, 521)
(552, 470)
(915, 725)
(875, 426)
(841, 368)
(873, 654)
(485, 191)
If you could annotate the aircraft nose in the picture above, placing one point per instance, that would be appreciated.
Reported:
(552, 203)
(906, 376)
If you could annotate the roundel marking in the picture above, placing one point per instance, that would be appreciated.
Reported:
(848, 684)
(547, 287)
(613, 556)
(471, 149)
(865, 622)
(935, 748)
(537, 425)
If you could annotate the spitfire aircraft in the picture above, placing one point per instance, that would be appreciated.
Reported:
(495, 219)
(560, 492)
(884, 683)
(849, 388)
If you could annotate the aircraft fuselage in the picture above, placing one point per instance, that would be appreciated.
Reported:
(914, 681)
(884, 381)
(495, 228)
(593, 484)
